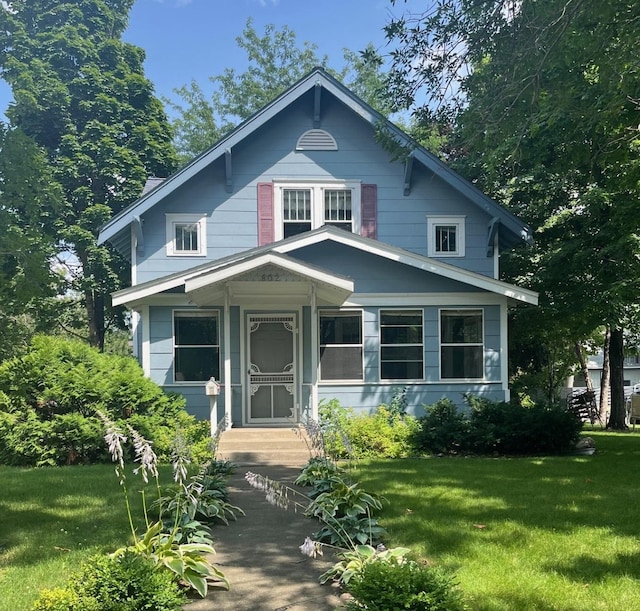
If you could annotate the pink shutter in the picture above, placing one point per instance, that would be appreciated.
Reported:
(369, 203)
(266, 228)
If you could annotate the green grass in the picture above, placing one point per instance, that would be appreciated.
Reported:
(51, 519)
(557, 533)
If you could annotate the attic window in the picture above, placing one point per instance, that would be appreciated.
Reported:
(316, 140)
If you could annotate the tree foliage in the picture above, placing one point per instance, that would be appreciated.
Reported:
(80, 93)
(275, 61)
(545, 98)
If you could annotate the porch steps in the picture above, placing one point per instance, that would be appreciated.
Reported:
(264, 446)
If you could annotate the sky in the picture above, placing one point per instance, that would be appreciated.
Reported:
(187, 40)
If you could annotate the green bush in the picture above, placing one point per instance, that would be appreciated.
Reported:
(404, 584)
(49, 397)
(491, 427)
(127, 582)
(386, 433)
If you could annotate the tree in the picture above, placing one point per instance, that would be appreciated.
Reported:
(545, 96)
(80, 93)
(29, 201)
(275, 61)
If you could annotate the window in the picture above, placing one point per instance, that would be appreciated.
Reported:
(340, 346)
(303, 207)
(196, 346)
(461, 344)
(445, 236)
(186, 234)
(401, 345)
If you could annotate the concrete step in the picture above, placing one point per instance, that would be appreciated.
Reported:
(263, 446)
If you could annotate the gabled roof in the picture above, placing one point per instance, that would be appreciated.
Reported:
(318, 80)
(283, 254)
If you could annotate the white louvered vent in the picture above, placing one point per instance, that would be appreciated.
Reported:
(316, 140)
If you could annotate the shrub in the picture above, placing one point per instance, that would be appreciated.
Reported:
(128, 582)
(386, 433)
(49, 398)
(403, 584)
(491, 427)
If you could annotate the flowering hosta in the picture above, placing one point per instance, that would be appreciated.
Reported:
(188, 561)
(339, 512)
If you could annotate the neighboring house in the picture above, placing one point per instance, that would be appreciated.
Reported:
(296, 261)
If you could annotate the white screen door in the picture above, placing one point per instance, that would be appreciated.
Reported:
(271, 371)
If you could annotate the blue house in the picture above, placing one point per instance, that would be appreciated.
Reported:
(297, 261)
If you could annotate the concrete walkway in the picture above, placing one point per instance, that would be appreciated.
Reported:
(259, 555)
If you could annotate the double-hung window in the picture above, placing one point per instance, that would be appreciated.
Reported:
(461, 344)
(445, 236)
(196, 346)
(302, 207)
(401, 345)
(341, 348)
(186, 234)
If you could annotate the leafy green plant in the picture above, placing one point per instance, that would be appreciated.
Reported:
(352, 561)
(403, 584)
(165, 547)
(491, 427)
(346, 514)
(187, 560)
(50, 396)
(126, 582)
(317, 474)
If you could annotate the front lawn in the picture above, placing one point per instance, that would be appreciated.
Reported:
(523, 534)
(557, 533)
(53, 518)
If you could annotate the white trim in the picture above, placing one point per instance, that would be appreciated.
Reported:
(482, 334)
(423, 344)
(192, 313)
(504, 349)
(198, 219)
(338, 311)
(315, 362)
(134, 257)
(496, 256)
(417, 300)
(316, 188)
(435, 221)
(146, 341)
(227, 361)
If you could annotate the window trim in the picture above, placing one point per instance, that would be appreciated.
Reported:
(171, 220)
(420, 312)
(179, 313)
(480, 344)
(340, 312)
(316, 187)
(433, 222)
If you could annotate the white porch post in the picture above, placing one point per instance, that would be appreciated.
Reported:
(504, 349)
(314, 354)
(227, 359)
(146, 341)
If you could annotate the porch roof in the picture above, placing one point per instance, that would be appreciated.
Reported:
(203, 281)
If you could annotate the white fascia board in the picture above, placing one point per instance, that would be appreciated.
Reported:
(231, 271)
(424, 299)
(423, 263)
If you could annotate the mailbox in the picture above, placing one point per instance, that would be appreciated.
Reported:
(212, 388)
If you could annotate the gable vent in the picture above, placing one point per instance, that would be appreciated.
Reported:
(316, 140)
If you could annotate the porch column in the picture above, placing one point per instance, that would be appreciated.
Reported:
(227, 359)
(314, 354)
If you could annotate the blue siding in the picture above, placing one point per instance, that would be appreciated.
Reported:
(269, 154)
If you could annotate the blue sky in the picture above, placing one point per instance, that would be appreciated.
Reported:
(195, 39)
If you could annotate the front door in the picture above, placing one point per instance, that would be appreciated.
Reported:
(271, 356)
